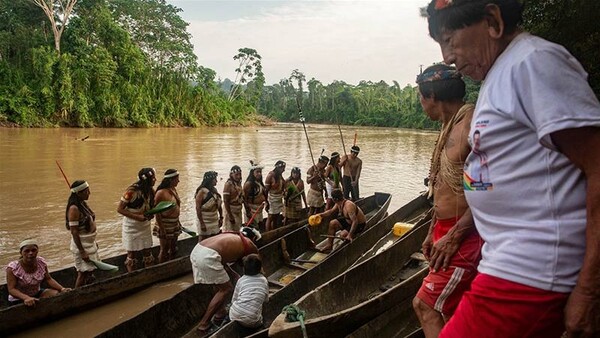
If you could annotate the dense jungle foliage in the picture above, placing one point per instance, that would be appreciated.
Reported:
(119, 63)
(130, 63)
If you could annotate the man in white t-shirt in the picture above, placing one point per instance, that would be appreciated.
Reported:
(539, 126)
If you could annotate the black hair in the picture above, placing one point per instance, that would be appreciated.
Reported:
(166, 182)
(144, 184)
(252, 265)
(73, 200)
(463, 13)
(337, 195)
(334, 156)
(209, 176)
(443, 90)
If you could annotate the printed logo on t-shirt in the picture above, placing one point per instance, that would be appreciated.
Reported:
(476, 175)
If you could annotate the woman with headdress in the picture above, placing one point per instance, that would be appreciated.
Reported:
(81, 221)
(137, 234)
(208, 207)
(294, 195)
(25, 276)
(168, 227)
(332, 177)
(233, 199)
(254, 194)
(274, 185)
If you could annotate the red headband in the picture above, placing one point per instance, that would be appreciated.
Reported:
(441, 4)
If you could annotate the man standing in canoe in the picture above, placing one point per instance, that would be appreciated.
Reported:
(233, 199)
(352, 166)
(254, 194)
(210, 259)
(452, 244)
(167, 227)
(274, 185)
(315, 176)
(352, 220)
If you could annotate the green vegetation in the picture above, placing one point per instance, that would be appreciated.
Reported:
(117, 63)
(130, 63)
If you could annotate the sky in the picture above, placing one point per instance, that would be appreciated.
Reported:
(350, 41)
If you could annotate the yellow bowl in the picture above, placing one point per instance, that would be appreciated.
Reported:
(314, 220)
(401, 228)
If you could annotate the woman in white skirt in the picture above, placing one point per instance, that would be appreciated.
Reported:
(137, 233)
(81, 221)
(209, 212)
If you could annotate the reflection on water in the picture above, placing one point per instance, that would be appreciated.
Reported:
(33, 193)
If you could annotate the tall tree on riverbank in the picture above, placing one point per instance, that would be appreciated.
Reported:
(249, 68)
(58, 13)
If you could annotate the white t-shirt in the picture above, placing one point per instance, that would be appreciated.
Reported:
(529, 206)
(248, 297)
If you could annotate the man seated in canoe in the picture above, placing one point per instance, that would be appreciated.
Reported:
(210, 259)
(452, 245)
(351, 220)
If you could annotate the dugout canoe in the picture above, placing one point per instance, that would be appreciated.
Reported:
(182, 319)
(109, 285)
(343, 304)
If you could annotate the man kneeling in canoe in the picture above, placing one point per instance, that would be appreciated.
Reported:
(210, 259)
(352, 220)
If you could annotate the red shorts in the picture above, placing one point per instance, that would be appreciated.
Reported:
(495, 307)
(442, 290)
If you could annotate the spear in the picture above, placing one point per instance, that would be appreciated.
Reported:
(63, 174)
(342, 137)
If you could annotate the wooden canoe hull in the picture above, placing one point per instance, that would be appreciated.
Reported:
(350, 300)
(332, 266)
(108, 286)
(272, 256)
(139, 326)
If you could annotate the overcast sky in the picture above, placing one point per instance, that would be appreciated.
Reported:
(328, 40)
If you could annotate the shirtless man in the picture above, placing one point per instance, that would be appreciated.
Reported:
(274, 185)
(167, 227)
(333, 174)
(315, 176)
(352, 220)
(255, 194)
(210, 259)
(452, 245)
(233, 199)
(352, 167)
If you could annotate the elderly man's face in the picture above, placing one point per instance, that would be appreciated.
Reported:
(471, 49)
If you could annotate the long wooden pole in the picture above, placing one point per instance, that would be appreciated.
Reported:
(342, 137)
(63, 174)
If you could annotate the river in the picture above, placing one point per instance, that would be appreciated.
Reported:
(33, 193)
